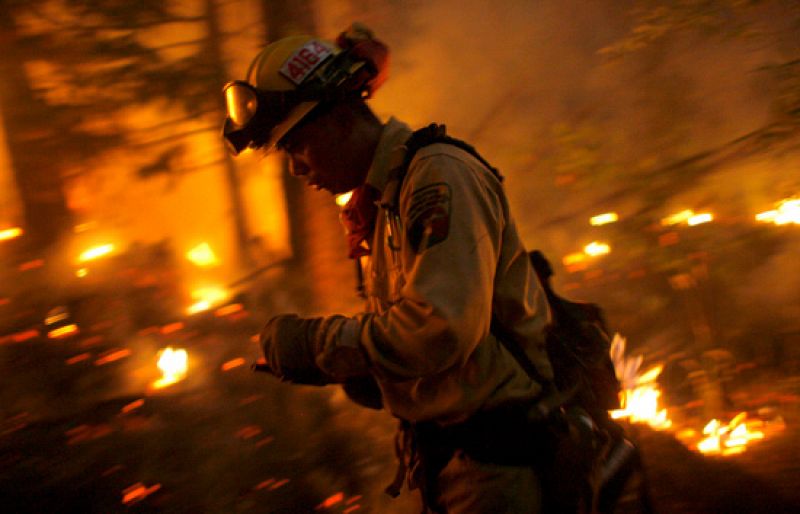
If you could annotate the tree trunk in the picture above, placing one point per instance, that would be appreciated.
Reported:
(36, 171)
(316, 236)
(213, 50)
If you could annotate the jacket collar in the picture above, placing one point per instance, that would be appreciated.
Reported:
(389, 153)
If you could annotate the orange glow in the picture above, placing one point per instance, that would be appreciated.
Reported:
(206, 298)
(78, 358)
(138, 492)
(573, 258)
(596, 248)
(25, 335)
(331, 501)
(10, 233)
(65, 331)
(96, 252)
(604, 219)
(35, 263)
(342, 199)
(234, 363)
(172, 327)
(132, 406)
(679, 217)
(173, 364)
(112, 356)
(699, 219)
(787, 211)
(202, 255)
(729, 439)
(227, 310)
(82, 272)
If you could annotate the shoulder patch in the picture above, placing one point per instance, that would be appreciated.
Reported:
(429, 216)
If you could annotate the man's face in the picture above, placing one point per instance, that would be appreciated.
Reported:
(318, 152)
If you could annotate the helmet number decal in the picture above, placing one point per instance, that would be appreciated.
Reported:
(304, 61)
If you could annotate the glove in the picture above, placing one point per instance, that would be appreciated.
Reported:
(290, 349)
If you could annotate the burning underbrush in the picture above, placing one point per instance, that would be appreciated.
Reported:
(171, 419)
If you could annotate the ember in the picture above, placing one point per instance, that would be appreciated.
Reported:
(96, 252)
(65, 331)
(173, 365)
(138, 492)
(206, 298)
(10, 233)
(604, 219)
(202, 255)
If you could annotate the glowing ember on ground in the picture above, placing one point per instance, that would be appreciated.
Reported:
(689, 217)
(82, 272)
(65, 331)
(206, 298)
(113, 355)
(132, 406)
(787, 211)
(138, 492)
(227, 310)
(202, 255)
(96, 252)
(640, 394)
(234, 363)
(728, 439)
(699, 219)
(173, 365)
(573, 258)
(604, 219)
(10, 233)
(330, 501)
(596, 248)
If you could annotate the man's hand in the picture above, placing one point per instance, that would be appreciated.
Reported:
(290, 348)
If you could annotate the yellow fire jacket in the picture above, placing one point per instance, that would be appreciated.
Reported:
(438, 270)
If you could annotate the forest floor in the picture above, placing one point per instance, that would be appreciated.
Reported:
(83, 430)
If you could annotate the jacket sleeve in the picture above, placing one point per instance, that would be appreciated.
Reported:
(452, 220)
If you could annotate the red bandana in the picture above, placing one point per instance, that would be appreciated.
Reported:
(358, 217)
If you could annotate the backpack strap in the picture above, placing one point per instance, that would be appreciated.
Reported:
(426, 136)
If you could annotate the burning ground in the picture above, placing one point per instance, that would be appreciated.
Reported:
(84, 429)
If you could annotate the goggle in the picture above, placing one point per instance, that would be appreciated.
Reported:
(253, 113)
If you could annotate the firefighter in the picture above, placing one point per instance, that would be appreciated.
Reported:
(444, 263)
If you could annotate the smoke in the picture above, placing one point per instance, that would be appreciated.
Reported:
(577, 133)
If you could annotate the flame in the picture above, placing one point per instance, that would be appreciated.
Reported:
(65, 331)
(574, 258)
(202, 255)
(604, 219)
(596, 248)
(640, 394)
(206, 298)
(10, 233)
(96, 252)
(699, 219)
(342, 199)
(728, 439)
(787, 211)
(173, 365)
